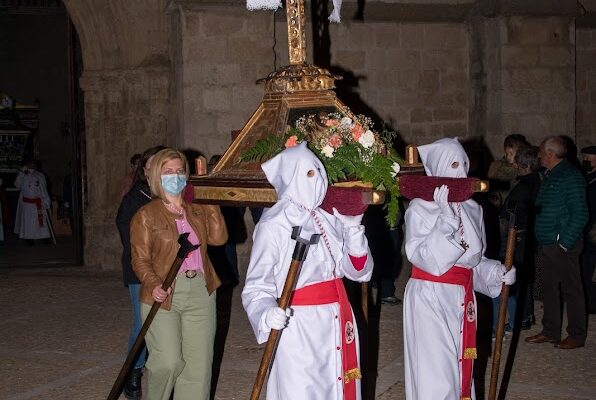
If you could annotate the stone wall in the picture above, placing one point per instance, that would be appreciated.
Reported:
(586, 87)
(529, 64)
(414, 76)
(219, 53)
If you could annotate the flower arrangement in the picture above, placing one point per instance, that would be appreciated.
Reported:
(348, 148)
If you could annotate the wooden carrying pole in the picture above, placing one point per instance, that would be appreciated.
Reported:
(185, 248)
(298, 257)
(494, 373)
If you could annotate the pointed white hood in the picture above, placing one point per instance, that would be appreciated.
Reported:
(289, 172)
(438, 158)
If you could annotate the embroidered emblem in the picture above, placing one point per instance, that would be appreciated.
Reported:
(349, 332)
(352, 374)
(470, 312)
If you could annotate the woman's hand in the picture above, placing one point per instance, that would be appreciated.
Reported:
(159, 294)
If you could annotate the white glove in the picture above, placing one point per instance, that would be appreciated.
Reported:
(348, 220)
(276, 318)
(441, 196)
(508, 278)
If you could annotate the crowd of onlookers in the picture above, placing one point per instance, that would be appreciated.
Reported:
(552, 197)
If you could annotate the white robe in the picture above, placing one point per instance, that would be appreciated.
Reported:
(307, 363)
(434, 312)
(32, 185)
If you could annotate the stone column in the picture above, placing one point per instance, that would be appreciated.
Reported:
(126, 111)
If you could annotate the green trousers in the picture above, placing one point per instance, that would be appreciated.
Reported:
(180, 344)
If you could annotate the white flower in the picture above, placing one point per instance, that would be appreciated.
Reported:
(396, 168)
(346, 122)
(328, 151)
(367, 139)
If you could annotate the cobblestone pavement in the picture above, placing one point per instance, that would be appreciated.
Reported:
(63, 335)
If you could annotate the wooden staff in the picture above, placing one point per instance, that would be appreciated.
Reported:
(185, 248)
(494, 373)
(364, 300)
(298, 257)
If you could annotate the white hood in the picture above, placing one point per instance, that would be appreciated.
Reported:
(288, 173)
(439, 156)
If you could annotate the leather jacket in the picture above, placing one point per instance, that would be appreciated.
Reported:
(154, 244)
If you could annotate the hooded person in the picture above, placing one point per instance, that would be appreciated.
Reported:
(445, 242)
(31, 220)
(317, 356)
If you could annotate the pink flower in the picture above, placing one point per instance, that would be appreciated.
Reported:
(335, 141)
(332, 122)
(357, 131)
(292, 141)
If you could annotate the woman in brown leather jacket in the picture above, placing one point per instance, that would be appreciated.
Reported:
(180, 339)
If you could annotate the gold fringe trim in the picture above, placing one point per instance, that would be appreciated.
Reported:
(470, 353)
(466, 398)
(352, 375)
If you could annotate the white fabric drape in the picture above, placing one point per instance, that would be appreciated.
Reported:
(263, 4)
(336, 13)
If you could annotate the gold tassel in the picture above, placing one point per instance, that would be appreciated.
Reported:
(352, 374)
(470, 353)
(466, 398)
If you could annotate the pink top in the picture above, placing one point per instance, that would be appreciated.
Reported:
(193, 260)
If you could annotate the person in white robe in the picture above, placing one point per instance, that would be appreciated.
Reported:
(445, 242)
(31, 221)
(317, 356)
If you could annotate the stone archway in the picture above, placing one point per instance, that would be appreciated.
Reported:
(126, 84)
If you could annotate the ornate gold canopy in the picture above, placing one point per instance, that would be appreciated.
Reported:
(290, 92)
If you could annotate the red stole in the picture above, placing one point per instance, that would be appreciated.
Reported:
(463, 277)
(37, 202)
(334, 292)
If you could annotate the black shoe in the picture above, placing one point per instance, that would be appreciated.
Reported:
(132, 387)
(392, 300)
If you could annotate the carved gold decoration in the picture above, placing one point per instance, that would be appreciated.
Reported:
(262, 197)
(412, 155)
(480, 186)
(235, 195)
(302, 77)
(296, 35)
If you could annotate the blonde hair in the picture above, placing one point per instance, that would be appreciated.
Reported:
(157, 163)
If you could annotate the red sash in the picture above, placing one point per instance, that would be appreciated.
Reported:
(463, 277)
(334, 292)
(37, 202)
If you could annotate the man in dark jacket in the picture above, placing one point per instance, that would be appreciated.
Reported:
(562, 214)
(589, 256)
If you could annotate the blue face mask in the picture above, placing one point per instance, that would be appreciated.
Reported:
(173, 184)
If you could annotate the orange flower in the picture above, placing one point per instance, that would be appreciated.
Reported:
(331, 122)
(292, 141)
(357, 131)
(335, 141)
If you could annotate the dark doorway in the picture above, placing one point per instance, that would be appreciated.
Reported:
(41, 118)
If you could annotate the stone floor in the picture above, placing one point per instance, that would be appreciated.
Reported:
(63, 334)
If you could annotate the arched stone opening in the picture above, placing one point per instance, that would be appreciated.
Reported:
(126, 85)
